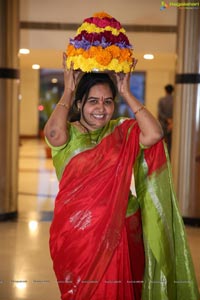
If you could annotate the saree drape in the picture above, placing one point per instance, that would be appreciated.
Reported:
(169, 272)
(97, 250)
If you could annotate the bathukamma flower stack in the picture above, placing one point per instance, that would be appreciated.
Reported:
(100, 45)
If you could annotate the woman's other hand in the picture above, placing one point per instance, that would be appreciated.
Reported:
(71, 76)
(123, 80)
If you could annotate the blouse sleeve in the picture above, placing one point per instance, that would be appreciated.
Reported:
(55, 149)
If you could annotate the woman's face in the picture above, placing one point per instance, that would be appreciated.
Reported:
(98, 108)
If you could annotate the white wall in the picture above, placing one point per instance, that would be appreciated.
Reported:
(159, 72)
(126, 11)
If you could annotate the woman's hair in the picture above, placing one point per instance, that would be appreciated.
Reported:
(87, 81)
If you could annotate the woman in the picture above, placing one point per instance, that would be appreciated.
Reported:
(96, 237)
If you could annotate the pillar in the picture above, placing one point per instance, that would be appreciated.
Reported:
(186, 129)
(9, 107)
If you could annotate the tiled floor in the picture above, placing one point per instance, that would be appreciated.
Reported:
(25, 264)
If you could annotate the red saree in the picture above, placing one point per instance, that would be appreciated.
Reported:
(97, 238)
(90, 237)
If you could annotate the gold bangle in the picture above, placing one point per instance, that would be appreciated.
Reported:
(139, 109)
(67, 106)
(67, 88)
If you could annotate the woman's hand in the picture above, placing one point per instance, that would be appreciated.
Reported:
(70, 75)
(123, 83)
(151, 131)
(123, 80)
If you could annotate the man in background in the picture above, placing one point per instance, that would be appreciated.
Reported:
(165, 114)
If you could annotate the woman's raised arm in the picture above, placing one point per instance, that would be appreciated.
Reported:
(55, 129)
(151, 131)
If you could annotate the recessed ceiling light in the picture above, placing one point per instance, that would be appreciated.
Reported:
(54, 80)
(24, 51)
(35, 66)
(148, 56)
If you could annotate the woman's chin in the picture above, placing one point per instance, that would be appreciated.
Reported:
(99, 123)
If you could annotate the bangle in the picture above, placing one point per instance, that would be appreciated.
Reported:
(68, 88)
(67, 106)
(139, 109)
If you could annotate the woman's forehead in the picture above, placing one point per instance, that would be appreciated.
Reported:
(100, 88)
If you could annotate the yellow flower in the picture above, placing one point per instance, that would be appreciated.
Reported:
(114, 65)
(92, 28)
(97, 58)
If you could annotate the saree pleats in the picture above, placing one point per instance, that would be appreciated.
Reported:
(112, 284)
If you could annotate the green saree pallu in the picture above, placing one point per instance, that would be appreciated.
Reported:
(116, 217)
(169, 272)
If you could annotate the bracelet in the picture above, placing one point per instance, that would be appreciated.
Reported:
(67, 106)
(68, 88)
(139, 109)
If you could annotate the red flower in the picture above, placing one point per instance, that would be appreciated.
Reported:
(109, 37)
(102, 23)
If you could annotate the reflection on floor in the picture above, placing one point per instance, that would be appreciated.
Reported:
(25, 264)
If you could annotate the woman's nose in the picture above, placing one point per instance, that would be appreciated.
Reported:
(101, 105)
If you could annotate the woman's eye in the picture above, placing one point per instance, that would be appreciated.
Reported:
(108, 102)
(96, 101)
(92, 101)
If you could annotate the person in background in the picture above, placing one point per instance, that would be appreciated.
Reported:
(165, 114)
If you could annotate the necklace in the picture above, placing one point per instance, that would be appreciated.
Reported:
(86, 130)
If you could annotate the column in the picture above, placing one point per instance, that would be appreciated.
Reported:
(186, 129)
(9, 107)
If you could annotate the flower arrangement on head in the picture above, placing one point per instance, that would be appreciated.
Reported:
(100, 45)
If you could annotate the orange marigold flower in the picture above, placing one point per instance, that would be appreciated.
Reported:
(93, 51)
(103, 57)
(114, 50)
(125, 54)
(80, 51)
(70, 50)
(101, 15)
(86, 54)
